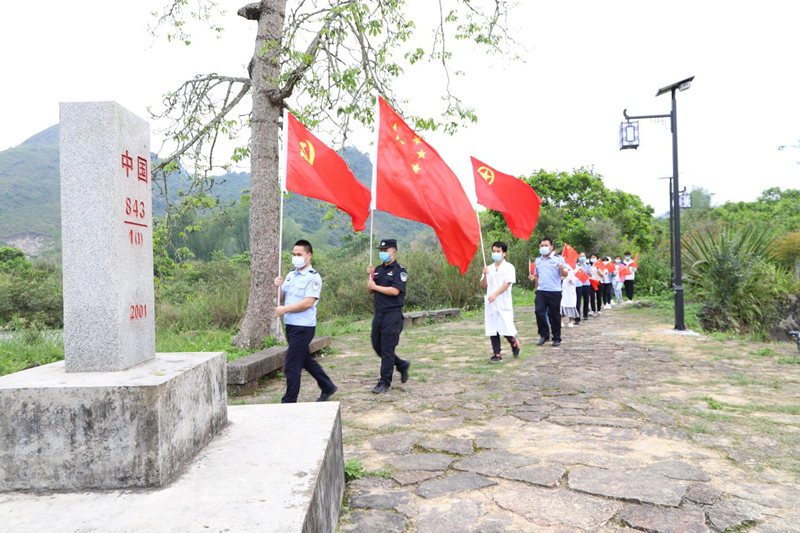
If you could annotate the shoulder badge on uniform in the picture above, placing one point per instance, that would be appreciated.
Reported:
(312, 271)
(403, 276)
(316, 285)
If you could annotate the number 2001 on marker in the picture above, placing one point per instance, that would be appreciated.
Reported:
(138, 311)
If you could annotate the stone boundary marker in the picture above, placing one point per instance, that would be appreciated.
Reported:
(417, 318)
(107, 234)
(243, 373)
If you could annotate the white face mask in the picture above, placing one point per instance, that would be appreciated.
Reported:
(298, 261)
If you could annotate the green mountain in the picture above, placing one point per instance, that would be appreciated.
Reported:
(30, 204)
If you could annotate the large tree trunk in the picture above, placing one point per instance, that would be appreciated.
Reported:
(264, 179)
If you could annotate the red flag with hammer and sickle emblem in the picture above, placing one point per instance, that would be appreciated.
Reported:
(316, 171)
(412, 181)
(517, 200)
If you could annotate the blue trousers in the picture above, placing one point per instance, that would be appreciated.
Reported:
(297, 358)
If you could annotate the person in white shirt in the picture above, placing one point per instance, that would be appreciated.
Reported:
(617, 279)
(569, 298)
(629, 279)
(605, 285)
(497, 279)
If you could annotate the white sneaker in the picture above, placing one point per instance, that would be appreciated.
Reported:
(570, 325)
(562, 324)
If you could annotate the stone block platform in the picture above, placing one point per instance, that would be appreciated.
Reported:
(276, 468)
(138, 427)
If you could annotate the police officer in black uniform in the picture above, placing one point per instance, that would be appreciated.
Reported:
(388, 284)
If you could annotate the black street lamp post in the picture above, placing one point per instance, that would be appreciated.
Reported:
(629, 138)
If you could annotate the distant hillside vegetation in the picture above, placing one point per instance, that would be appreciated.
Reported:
(30, 203)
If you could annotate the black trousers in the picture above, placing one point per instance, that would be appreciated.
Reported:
(606, 291)
(297, 358)
(386, 329)
(582, 293)
(548, 303)
(629, 288)
(595, 297)
(496, 348)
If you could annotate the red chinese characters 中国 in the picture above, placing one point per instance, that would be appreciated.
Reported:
(127, 163)
(141, 169)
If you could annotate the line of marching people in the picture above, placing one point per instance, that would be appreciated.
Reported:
(568, 286)
(596, 285)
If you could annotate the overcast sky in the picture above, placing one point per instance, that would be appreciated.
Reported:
(560, 108)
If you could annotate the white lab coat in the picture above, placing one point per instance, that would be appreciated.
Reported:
(500, 314)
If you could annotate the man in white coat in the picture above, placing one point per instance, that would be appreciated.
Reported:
(498, 308)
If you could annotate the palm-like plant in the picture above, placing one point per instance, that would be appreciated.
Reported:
(728, 269)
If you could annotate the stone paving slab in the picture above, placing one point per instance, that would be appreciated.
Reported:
(631, 486)
(453, 484)
(658, 520)
(557, 507)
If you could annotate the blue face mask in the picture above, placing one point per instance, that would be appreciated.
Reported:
(385, 256)
(581, 260)
(618, 261)
(544, 250)
(496, 256)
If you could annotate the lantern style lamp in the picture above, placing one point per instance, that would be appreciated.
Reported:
(629, 135)
(685, 200)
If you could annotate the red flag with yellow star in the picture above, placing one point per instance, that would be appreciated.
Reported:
(412, 181)
(316, 171)
(517, 200)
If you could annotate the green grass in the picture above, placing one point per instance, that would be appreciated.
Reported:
(215, 340)
(29, 348)
(354, 469)
(713, 404)
(764, 352)
(789, 361)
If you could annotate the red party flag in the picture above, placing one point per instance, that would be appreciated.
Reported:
(595, 284)
(570, 256)
(316, 171)
(581, 275)
(517, 200)
(412, 181)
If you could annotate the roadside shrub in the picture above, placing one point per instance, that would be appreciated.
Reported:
(729, 271)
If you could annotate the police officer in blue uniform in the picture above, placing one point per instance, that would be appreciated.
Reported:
(388, 284)
(300, 293)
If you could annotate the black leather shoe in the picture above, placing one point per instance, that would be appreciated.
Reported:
(515, 350)
(556, 343)
(325, 396)
(381, 388)
(541, 341)
(404, 373)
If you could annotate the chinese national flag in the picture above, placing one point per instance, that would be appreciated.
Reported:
(610, 267)
(570, 256)
(599, 265)
(581, 275)
(518, 202)
(412, 181)
(595, 284)
(532, 267)
(316, 171)
(625, 272)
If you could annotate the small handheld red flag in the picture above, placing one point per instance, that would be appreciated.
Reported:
(599, 265)
(625, 272)
(532, 267)
(595, 284)
(570, 256)
(610, 267)
(518, 202)
(316, 171)
(581, 275)
(634, 264)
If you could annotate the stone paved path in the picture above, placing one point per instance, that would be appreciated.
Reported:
(621, 429)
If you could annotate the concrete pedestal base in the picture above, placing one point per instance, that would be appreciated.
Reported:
(104, 430)
(276, 468)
